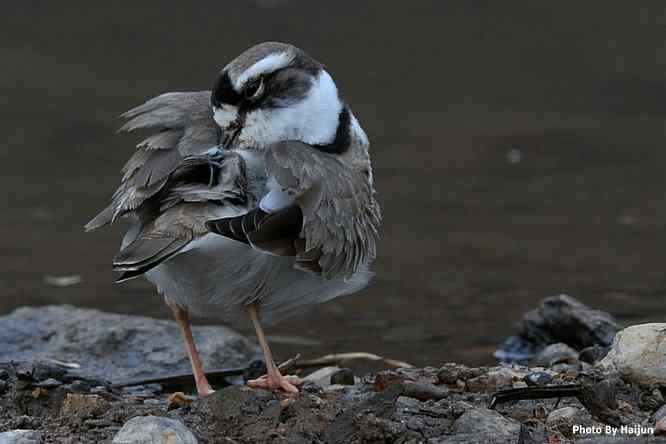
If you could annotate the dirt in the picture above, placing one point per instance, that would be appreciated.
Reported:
(446, 404)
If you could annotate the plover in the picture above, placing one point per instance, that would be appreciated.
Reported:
(254, 198)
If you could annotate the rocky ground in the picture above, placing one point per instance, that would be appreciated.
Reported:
(68, 384)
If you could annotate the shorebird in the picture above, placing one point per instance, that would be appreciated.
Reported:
(256, 197)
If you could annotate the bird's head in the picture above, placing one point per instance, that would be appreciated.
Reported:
(274, 92)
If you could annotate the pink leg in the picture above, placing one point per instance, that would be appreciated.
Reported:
(183, 320)
(273, 379)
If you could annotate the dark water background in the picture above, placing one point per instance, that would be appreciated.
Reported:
(518, 150)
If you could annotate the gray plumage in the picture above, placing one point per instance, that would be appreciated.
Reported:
(186, 127)
(181, 187)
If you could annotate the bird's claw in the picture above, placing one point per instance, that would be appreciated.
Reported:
(286, 383)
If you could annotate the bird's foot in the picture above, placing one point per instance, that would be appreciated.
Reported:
(287, 383)
(204, 388)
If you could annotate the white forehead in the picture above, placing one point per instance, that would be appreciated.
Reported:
(267, 65)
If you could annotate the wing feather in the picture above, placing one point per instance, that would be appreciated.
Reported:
(185, 126)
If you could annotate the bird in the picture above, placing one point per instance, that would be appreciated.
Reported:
(255, 198)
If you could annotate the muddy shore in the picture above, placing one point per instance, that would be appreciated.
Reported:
(69, 375)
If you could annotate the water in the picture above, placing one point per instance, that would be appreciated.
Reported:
(518, 152)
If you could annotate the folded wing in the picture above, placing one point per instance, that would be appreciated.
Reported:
(332, 226)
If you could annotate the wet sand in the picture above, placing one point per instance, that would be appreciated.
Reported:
(518, 152)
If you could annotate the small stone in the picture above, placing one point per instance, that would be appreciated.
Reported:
(563, 419)
(593, 354)
(492, 381)
(21, 437)
(486, 426)
(452, 373)
(567, 370)
(344, 376)
(536, 379)
(562, 414)
(423, 391)
(154, 429)
(49, 383)
(78, 387)
(651, 401)
(555, 354)
(322, 377)
(625, 407)
(310, 387)
(254, 370)
(177, 400)
(638, 353)
(39, 393)
(83, 405)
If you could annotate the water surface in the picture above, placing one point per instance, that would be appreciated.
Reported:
(518, 152)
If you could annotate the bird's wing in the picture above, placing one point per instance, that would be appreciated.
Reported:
(198, 190)
(333, 223)
(185, 126)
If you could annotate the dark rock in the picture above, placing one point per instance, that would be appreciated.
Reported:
(423, 391)
(112, 346)
(558, 319)
(593, 354)
(344, 376)
(254, 370)
(536, 379)
(555, 354)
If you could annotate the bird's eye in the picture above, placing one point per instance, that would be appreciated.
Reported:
(254, 89)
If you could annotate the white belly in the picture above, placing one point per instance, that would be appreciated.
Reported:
(217, 277)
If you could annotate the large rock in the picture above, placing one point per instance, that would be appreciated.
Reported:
(154, 430)
(115, 347)
(558, 319)
(639, 353)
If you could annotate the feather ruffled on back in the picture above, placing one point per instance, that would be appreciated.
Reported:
(185, 125)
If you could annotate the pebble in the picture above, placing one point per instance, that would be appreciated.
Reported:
(178, 400)
(154, 430)
(486, 426)
(536, 379)
(593, 354)
(344, 376)
(493, 380)
(49, 383)
(84, 405)
(322, 377)
(563, 419)
(555, 354)
(423, 391)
